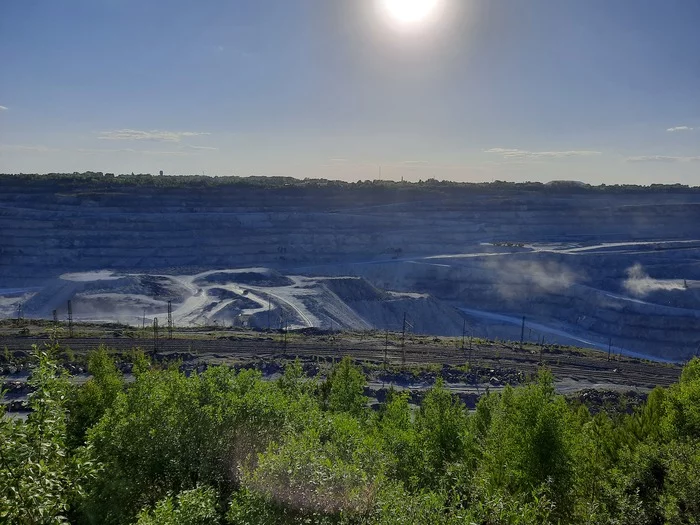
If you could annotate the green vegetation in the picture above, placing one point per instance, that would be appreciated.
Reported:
(228, 447)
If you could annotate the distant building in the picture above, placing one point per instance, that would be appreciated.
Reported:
(161, 173)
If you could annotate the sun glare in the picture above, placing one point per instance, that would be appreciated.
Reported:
(410, 12)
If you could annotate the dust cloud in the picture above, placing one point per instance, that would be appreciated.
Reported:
(640, 284)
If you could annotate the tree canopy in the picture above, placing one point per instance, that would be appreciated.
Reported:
(229, 447)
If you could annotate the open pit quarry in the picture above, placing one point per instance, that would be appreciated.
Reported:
(615, 270)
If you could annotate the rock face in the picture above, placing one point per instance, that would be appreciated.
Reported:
(582, 266)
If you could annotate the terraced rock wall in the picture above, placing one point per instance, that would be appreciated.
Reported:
(49, 229)
(561, 259)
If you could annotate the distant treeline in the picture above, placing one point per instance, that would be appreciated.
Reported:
(107, 180)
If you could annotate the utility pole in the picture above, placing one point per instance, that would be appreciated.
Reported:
(403, 338)
(55, 318)
(403, 341)
(268, 313)
(464, 330)
(386, 349)
(19, 312)
(170, 319)
(522, 333)
(70, 319)
(470, 350)
(541, 349)
(155, 335)
(143, 324)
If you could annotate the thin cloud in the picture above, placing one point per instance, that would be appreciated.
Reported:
(654, 158)
(662, 159)
(202, 148)
(680, 128)
(153, 135)
(183, 149)
(106, 150)
(178, 153)
(168, 153)
(414, 163)
(3, 108)
(520, 154)
(27, 148)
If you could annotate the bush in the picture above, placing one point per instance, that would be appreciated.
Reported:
(344, 388)
(530, 444)
(191, 507)
(40, 478)
(229, 447)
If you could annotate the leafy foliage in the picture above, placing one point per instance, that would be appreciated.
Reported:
(191, 507)
(529, 445)
(89, 403)
(39, 476)
(344, 389)
(228, 447)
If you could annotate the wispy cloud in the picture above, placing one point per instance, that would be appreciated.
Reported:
(680, 128)
(662, 158)
(520, 154)
(27, 148)
(654, 158)
(182, 152)
(175, 153)
(3, 108)
(105, 150)
(153, 135)
(414, 163)
(202, 148)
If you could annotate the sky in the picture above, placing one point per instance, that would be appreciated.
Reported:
(593, 90)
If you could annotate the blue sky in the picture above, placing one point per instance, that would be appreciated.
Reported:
(486, 89)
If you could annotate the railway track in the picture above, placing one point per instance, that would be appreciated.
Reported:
(585, 366)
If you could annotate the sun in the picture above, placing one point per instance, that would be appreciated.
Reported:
(410, 12)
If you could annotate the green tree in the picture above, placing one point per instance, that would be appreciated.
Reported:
(191, 507)
(394, 427)
(344, 388)
(682, 404)
(40, 480)
(530, 444)
(89, 402)
(443, 433)
(681, 498)
(332, 468)
(168, 433)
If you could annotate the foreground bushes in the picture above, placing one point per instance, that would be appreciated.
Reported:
(228, 447)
